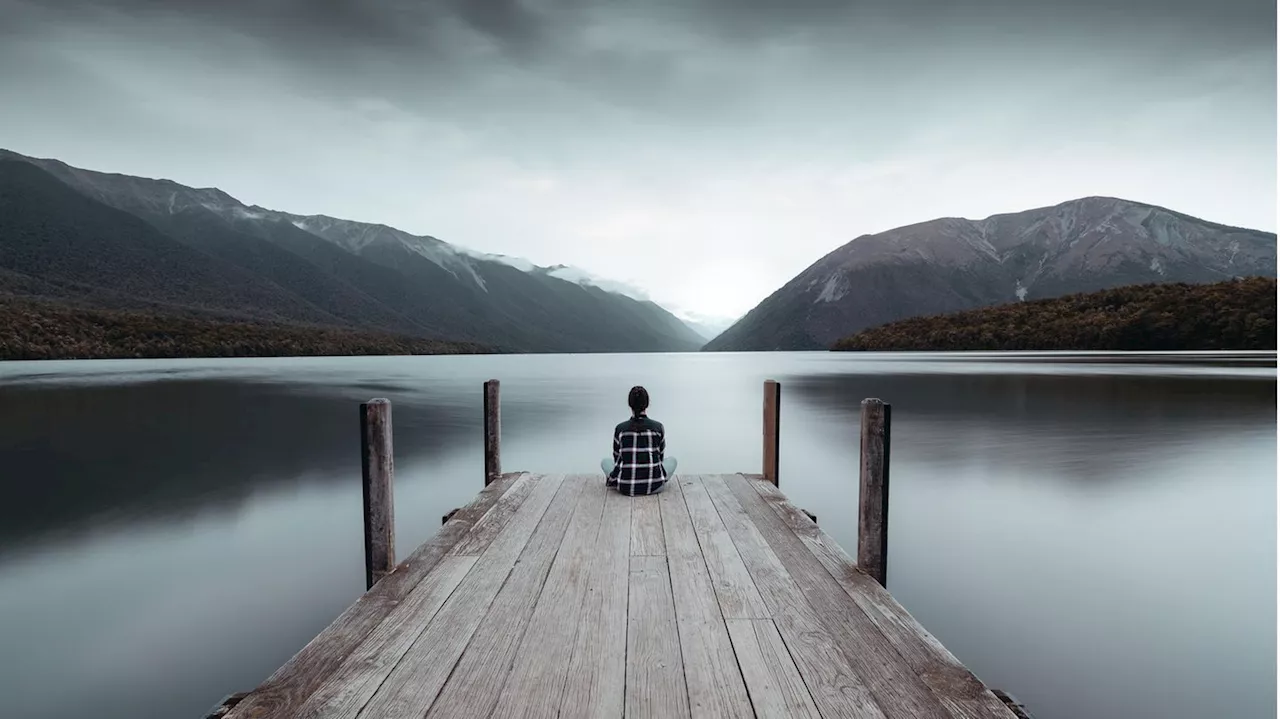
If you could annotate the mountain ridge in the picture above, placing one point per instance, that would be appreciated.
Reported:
(374, 276)
(953, 264)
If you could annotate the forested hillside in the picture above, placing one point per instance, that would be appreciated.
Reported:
(39, 330)
(1233, 315)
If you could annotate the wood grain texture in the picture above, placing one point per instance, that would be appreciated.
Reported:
(377, 467)
(473, 688)
(873, 491)
(772, 417)
(646, 528)
(836, 688)
(289, 686)
(492, 432)
(533, 601)
(413, 684)
(595, 685)
(537, 679)
(655, 671)
(963, 694)
(714, 683)
(492, 523)
(734, 588)
(351, 685)
(777, 691)
(897, 689)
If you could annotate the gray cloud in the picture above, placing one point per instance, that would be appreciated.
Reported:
(696, 127)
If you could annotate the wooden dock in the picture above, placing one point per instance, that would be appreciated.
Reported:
(552, 596)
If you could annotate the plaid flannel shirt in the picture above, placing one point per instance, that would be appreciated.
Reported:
(639, 446)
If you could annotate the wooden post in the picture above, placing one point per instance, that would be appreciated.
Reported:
(873, 490)
(772, 405)
(378, 468)
(492, 433)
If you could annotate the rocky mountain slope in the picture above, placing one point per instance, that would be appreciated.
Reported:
(116, 241)
(954, 264)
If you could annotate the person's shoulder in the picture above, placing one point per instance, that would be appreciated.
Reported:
(656, 426)
(622, 426)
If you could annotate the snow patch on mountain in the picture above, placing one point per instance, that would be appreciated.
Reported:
(834, 289)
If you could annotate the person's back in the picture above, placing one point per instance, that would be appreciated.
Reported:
(639, 464)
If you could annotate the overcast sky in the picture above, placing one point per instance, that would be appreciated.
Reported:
(706, 150)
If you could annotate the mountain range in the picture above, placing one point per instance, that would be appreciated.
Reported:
(112, 241)
(102, 241)
(953, 264)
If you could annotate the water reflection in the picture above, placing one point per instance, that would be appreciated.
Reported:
(173, 531)
(1077, 428)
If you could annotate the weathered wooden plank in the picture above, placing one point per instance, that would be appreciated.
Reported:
(836, 688)
(772, 415)
(873, 491)
(772, 678)
(351, 685)
(898, 691)
(492, 432)
(711, 672)
(492, 523)
(537, 679)
(655, 672)
(473, 688)
(963, 694)
(737, 593)
(413, 684)
(377, 467)
(596, 680)
(290, 685)
(646, 528)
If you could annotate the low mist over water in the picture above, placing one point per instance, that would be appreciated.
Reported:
(1092, 533)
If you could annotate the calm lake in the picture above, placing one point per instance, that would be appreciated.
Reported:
(1094, 533)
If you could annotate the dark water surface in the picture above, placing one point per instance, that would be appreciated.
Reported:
(1096, 534)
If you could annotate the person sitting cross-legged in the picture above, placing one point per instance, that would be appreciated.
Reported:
(640, 464)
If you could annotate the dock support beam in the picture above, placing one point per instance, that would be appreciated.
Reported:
(378, 468)
(492, 433)
(772, 405)
(873, 490)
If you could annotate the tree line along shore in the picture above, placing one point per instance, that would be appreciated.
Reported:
(39, 330)
(1237, 314)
